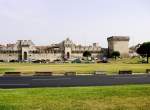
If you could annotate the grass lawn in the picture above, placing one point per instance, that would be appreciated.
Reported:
(127, 97)
(112, 67)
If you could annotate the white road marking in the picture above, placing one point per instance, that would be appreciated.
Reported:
(52, 79)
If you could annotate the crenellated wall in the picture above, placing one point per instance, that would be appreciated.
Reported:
(44, 56)
(25, 50)
(8, 56)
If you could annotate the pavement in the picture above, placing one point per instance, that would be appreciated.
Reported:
(69, 81)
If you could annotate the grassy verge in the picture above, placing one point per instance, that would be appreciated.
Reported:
(112, 67)
(80, 68)
(129, 97)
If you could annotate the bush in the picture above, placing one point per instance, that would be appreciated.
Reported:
(115, 54)
(1, 60)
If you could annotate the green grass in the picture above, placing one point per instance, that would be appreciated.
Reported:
(112, 67)
(128, 97)
(6, 69)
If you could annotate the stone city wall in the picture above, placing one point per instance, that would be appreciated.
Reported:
(44, 56)
(8, 56)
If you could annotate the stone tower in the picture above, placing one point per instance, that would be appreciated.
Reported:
(67, 44)
(118, 43)
(24, 46)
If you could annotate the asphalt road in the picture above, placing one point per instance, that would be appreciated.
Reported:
(65, 81)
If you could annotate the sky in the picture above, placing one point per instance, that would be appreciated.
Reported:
(84, 21)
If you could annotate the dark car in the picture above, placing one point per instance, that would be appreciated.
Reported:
(104, 60)
(76, 61)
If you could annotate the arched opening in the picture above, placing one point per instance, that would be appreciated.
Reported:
(25, 55)
(68, 55)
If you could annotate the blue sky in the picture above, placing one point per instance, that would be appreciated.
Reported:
(83, 21)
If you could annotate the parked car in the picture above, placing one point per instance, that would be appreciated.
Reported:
(76, 61)
(36, 61)
(13, 61)
(104, 60)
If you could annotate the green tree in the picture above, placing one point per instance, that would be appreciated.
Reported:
(87, 54)
(144, 50)
(115, 54)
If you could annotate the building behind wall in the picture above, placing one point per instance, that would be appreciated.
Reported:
(118, 43)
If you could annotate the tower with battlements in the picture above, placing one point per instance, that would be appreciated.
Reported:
(118, 43)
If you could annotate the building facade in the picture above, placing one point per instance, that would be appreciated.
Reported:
(25, 50)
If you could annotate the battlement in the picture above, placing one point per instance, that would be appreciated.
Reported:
(24, 42)
(118, 38)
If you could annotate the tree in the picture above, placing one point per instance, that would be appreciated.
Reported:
(86, 54)
(144, 50)
(115, 54)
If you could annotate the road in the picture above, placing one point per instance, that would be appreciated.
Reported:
(65, 81)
